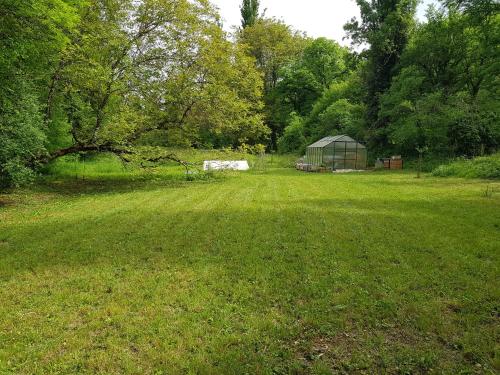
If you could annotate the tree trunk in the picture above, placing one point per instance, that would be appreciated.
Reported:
(419, 165)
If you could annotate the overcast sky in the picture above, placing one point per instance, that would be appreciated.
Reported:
(316, 17)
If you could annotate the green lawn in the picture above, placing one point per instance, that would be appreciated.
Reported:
(271, 272)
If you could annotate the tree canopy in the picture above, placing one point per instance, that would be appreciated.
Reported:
(163, 70)
(249, 12)
(116, 75)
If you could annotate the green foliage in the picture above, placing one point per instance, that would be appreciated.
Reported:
(249, 12)
(297, 91)
(338, 111)
(429, 162)
(33, 32)
(326, 60)
(386, 26)
(293, 139)
(258, 149)
(161, 67)
(302, 83)
(446, 91)
(166, 74)
(433, 84)
(275, 46)
(302, 90)
(22, 138)
(481, 167)
(226, 109)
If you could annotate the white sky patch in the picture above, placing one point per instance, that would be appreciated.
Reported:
(315, 17)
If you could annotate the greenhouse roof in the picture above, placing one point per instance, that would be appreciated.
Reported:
(329, 140)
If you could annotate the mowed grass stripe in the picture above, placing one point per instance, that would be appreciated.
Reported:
(279, 272)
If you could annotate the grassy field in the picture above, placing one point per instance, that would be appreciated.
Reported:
(268, 272)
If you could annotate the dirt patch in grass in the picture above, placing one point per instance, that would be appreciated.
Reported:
(4, 202)
(392, 351)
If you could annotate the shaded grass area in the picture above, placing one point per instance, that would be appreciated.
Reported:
(272, 271)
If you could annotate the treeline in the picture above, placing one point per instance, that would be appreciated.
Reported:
(431, 85)
(113, 75)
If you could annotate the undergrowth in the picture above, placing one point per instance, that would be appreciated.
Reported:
(487, 167)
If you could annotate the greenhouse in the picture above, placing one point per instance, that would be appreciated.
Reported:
(338, 152)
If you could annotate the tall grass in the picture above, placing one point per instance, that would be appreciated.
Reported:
(481, 167)
(88, 166)
(110, 166)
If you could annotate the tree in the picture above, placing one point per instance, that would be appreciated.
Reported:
(249, 12)
(161, 66)
(445, 93)
(218, 100)
(326, 60)
(33, 34)
(293, 139)
(274, 46)
(322, 63)
(385, 26)
(338, 111)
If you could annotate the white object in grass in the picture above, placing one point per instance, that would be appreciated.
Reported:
(219, 165)
(348, 170)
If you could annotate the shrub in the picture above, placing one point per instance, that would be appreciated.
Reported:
(293, 140)
(480, 167)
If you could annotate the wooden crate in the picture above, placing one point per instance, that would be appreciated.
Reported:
(393, 163)
(396, 164)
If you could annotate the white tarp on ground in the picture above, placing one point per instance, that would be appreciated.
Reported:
(219, 165)
(347, 170)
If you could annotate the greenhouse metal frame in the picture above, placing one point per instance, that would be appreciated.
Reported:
(338, 152)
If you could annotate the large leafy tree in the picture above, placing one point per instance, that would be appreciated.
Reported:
(302, 83)
(385, 26)
(215, 100)
(159, 66)
(32, 35)
(164, 68)
(274, 46)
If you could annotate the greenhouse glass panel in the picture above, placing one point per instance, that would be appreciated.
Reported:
(328, 157)
(337, 152)
(339, 164)
(351, 155)
(350, 164)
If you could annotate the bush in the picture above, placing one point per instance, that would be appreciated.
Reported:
(430, 162)
(258, 149)
(481, 167)
(293, 140)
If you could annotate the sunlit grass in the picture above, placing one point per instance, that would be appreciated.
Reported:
(268, 271)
